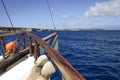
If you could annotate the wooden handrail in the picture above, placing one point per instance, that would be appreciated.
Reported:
(68, 72)
(5, 63)
(10, 34)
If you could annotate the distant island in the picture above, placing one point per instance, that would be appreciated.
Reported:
(9, 29)
(81, 29)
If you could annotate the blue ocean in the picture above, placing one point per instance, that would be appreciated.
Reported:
(95, 54)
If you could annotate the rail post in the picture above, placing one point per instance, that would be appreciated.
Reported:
(23, 41)
(35, 50)
(30, 46)
(3, 44)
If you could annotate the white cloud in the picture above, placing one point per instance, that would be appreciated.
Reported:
(109, 8)
(67, 17)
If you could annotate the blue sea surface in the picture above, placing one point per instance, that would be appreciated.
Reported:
(94, 54)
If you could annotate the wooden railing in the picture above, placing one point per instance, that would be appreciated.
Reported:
(24, 50)
(68, 72)
(10, 34)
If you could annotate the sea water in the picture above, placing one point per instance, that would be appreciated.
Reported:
(94, 54)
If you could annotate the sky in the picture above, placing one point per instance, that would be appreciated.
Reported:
(67, 14)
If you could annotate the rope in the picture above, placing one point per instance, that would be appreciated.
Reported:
(9, 18)
(51, 15)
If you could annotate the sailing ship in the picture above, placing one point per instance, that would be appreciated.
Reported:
(36, 58)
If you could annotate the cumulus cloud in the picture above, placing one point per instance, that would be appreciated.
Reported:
(109, 8)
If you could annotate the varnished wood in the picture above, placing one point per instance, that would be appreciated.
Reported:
(63, 78)
(23, 41)
(30, 46)
(35, 51)
(4, 64)
(65, 67)
(68, 72)
(3, 44)
(10, 34)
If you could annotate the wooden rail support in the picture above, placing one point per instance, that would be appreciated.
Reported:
(3, 44)
(23, 41)
(63, 78)
(68, 72)
(35, 50)
(30, 46)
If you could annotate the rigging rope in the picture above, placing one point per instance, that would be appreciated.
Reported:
(51, 15)
(10, 22)
(9, 17)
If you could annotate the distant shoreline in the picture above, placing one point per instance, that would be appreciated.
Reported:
(9, 29)
(82, 29)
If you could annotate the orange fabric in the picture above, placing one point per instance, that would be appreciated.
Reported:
(10, 46)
